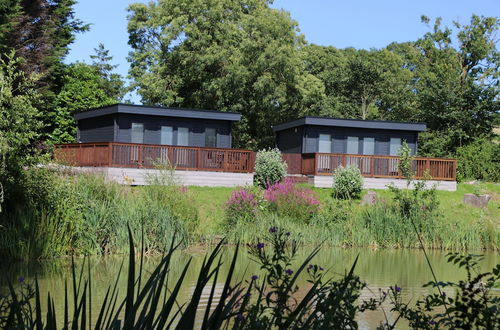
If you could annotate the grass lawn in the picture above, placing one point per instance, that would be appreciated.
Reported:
(210, 203)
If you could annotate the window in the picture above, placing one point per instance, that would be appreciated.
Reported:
(167, 135)
(210, 137)
(368, 146)
(137, 133)
(182, 136)
(325, 143)
(395, 146)
(352, 145)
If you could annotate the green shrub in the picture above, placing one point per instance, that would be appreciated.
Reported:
(479, 160)
(347, 182)
(269, 167)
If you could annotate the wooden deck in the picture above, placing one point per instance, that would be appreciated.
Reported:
(371, 166)
(131, 155)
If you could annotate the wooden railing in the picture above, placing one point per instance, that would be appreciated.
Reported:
(370, 166)
(386, 166)
(114, 154)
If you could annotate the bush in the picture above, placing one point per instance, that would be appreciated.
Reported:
(269, 167)
(347, 182)
(479, 160)
(287, 199)
(242, 205)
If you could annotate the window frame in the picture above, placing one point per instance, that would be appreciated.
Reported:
(329, 141)
(133, 131)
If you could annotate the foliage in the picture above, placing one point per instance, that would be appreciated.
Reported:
(405, 165)
(111, 83)
(57, 214)
(473, 306)
(242, 205)
(228, 55)
(347, 182)
(269, 167)
(39, 32)
(19, 123)
(287, 199)
(82, 89)
(479, 160)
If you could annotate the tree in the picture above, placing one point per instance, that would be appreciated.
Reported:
(19, 120)
(456, 88)
(231, 55)
(112, 83)
(82, 89)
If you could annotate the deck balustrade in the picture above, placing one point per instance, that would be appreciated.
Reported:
(113, 154)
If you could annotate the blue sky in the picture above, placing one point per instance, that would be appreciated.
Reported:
(347, 23)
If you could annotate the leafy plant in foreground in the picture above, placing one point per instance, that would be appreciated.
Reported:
(471, 306)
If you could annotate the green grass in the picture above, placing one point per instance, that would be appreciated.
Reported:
(458, 226)
(210, 203)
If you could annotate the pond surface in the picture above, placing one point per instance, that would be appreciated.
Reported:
(378, 268)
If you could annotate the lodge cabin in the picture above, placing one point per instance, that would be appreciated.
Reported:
(317, 146)
(346, 136)
(126, 123)
(136, 136)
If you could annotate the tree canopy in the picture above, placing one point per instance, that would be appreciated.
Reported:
(243, 55)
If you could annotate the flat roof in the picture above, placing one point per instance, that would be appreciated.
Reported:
(156, 111)
(354, 123)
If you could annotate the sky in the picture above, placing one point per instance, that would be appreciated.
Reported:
(341, 23)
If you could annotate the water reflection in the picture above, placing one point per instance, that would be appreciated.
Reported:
(379, 268)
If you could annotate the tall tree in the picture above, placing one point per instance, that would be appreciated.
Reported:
(233, 55)
(455, 87)
(112, 83)
(19, 120)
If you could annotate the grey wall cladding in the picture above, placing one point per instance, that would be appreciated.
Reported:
(152, 126)
(92, 130)
(290, 140)
(340, 134)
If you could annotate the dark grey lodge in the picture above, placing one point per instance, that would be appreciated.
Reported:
(346, 136)
(155, 125)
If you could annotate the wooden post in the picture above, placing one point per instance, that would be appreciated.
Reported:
(110, 154)
(372, 166)
(139, 156)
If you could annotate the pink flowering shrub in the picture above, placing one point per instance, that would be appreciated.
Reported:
(286, 198)
(242, 205)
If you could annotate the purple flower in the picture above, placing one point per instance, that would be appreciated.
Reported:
(310, 267)
(397, 289)
(247, 295)
(240, 317)
(321, 268)
(287, 233)
(289, 271)
(260, 245)
(20, 279)
(432, 322)
(272, 230)
(254, 277)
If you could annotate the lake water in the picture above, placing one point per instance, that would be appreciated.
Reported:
(378, 268)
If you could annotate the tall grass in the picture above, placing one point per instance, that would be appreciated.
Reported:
(60, 214)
